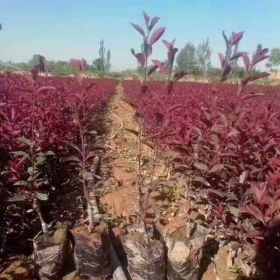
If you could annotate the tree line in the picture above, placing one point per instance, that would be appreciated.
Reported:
(194, 60)
(101, 65)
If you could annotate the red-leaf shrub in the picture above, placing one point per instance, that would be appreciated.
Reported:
(229, 146)
(37, 122)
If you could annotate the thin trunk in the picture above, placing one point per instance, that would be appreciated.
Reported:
(44, 225)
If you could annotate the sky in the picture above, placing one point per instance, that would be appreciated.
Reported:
(62, 29)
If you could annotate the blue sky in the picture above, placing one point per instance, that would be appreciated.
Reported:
(61, 29)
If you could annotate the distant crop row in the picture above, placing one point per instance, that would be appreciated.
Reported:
(226, 144)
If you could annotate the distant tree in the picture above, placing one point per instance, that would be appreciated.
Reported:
(274, 59)
(15, 66)
(102, 63)
(203, 53)
(98, 65)
(187, 59)
(63, 68)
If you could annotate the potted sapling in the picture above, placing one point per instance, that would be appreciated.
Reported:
(50, 244)
(145, 253)
(92, 246)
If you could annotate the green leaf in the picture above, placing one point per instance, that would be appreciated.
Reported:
(21, 154)
(217, 168)
(90, 155)
(201, 180)
(26, 141)
(72, 158)
(201, 166)
(42, 196)
(33, 176)
(30, 170)
(16, 198)
(40, 160)
(21, 183)
(87, 175)
(93, 132)
(50, 153)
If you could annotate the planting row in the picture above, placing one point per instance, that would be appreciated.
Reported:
(45, 124)
(228, 147)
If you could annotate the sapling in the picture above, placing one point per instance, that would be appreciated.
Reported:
(149, 39)
(33, 157)
(229, 59)
(167, 66)
(86, 160)
(231, 56)
(146, 183)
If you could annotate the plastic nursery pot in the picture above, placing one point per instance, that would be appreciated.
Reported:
(92, 253)
(187, 252)
(179, 264)
(145, 258)
(50, 253)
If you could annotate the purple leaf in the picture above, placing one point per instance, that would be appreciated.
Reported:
(254, 78)
(259, 59)
(237, 55)
(259, 192)
(161, 66)
(156, 35)
(152, 69)
(222, 59)
(254, 211)
(275, 162)
(178, 76)
(141, 59)
(169, 45)
(147, 19)
(246, 61)
(154, 21)
(226, 71)
(226, 39)
(260, 55)
(139, 29)
(171, 56)
(237, 37)
(148, 49)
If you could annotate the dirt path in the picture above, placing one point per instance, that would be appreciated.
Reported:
(121, 199)
(122, 154)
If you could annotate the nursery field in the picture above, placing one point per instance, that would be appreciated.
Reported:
(73, 155)
(148, 178)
